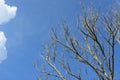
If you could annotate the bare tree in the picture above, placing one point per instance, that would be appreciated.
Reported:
(92, 45)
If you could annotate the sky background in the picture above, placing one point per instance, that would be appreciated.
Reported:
(29, 28)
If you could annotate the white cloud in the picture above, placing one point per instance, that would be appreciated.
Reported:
(3, 51)
(6, 14)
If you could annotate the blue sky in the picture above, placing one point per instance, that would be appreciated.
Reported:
(30, 28)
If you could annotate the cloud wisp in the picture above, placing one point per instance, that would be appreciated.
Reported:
(3, 51)
(6, 14)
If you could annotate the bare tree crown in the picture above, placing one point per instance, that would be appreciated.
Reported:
(93, 47)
